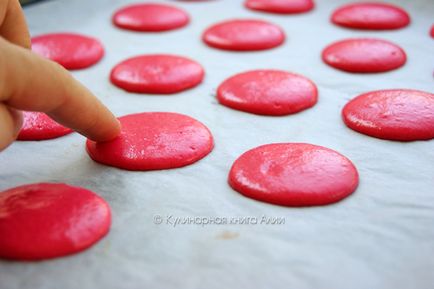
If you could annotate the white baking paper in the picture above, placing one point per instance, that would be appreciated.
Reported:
(380, 237)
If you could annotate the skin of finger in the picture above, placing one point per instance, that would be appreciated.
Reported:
(30, 82)
(13, 25)
(10, 125)
(17, 115)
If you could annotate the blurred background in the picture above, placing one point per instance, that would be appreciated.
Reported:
(24, 2)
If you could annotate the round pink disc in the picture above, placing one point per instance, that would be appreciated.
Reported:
(43, 221)
(371, 16)
(281, 6)
(364, 55)
(432, 31)
(268, 92)
(399, 114)
(294, 174)
(39, 126)
(150, 17)
(244, 35)
(154, 141)
(159, 74)
(72, 51)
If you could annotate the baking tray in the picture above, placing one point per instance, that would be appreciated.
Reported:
(380, 237)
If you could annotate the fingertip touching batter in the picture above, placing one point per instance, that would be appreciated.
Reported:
(154, 141)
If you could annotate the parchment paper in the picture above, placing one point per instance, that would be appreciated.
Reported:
(380, 237)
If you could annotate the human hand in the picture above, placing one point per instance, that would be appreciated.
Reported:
(30, 82)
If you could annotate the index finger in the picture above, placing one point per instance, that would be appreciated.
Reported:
(30, 82)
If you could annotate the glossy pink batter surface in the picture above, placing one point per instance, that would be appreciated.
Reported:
(364, 55)
(154, 141)
(39, 126)
(150, 17)
(244, 35)
(42, 221)
(398, 114)
(72, 51)
(371, 16)
(281, 6)
(157, 74)
(268, 92)
(294, 175)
